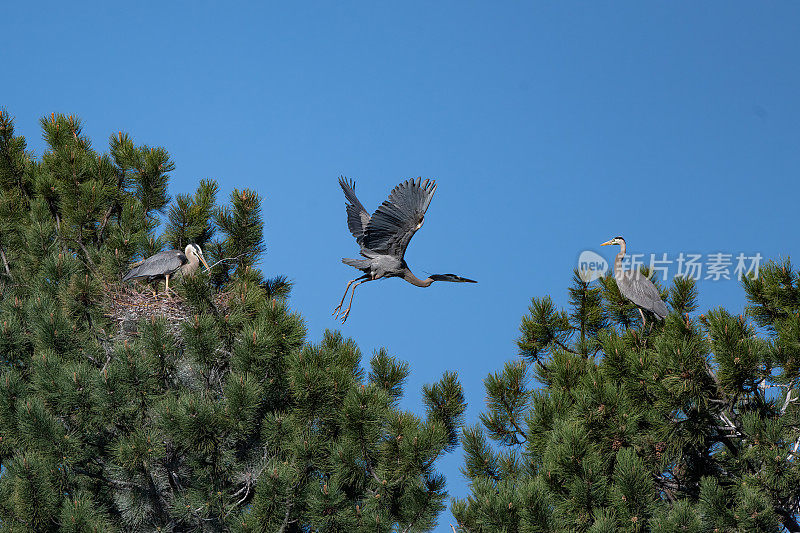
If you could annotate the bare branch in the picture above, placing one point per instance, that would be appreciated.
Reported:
(286, 516)
(226, 260)
(789, 400)
(5, 263)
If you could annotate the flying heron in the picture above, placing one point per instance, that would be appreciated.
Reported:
(165, 264)
(385, 235)
(636, 287)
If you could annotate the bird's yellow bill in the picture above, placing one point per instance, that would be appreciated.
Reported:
(608, 243)
(208, 268)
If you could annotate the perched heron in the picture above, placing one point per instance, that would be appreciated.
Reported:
(636, 287)
(385, 235)
(165, 264)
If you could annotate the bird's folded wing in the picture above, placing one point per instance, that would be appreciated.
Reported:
(394, 223)
(357, 216)
(641, 291)
(159, 264)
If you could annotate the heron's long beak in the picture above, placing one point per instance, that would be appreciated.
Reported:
(608, 243)
(452, 278)
(203, 259)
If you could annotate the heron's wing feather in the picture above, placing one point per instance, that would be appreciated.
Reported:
(399, 217)
(640, 290)
(357, 216)
(160, 264)
(361, 264)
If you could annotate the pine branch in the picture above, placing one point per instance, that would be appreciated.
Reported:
(91, 264)
(512, 420)
(367, 460)
(670, 486)
(565, 348)
(418, 514)
(285, 523)
(103, 224)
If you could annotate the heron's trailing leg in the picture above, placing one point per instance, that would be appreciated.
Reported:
(643, 320)
(166, 285)
(347, 311)
(339, 307)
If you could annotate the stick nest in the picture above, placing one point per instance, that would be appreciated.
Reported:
(127, 306)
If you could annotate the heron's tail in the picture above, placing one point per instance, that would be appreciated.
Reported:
(660, 310)
(130, 274)
(360, 264)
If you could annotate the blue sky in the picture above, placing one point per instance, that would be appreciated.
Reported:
(550, 128)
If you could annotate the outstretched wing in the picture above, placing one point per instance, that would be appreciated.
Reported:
(357, 216)
(641, 291)
(397, 219)
(162, 263)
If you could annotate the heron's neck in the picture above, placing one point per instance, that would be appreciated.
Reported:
(414, 280)
(618, 260)
(192, 264)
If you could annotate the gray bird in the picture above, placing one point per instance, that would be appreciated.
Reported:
(636, 287)
(165, 264)
(385, 235)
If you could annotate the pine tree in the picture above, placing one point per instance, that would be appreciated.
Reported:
(691, 424)
(204, 411)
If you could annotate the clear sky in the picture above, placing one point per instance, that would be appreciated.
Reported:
(549, 126)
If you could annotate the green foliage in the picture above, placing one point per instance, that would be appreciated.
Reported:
(688, 424)
(213, 415)
(190, 218)
(241, 226)
(343, 457)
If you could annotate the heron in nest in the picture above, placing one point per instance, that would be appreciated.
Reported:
(164, 264)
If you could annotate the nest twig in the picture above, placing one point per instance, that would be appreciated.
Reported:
(129, 302)
(128, 306)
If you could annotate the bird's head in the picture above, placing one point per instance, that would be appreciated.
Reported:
(194, 250)
(451, 277)
(616, 240)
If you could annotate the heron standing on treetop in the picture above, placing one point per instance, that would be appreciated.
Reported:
(385, 235)
(636, 287)
(166, 263)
